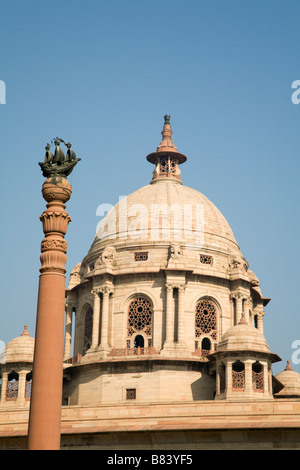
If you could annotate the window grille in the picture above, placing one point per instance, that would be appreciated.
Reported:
(12, 389)
(141, 256)
(130, 393)
(140, 316)
(206, 319)
(206, 259)
(238, 376)
(257, 377)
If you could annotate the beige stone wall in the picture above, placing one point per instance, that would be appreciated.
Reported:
(274, 424)
(154, 381)
(152, 286)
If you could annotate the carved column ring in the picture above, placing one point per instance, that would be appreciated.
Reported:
(54, 244)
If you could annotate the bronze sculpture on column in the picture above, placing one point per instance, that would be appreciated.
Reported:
(46, 396)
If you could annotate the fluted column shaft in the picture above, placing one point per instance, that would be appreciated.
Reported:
(169, 315)
(96, 319)
(106, 291)
(181, 305)
(4, 386)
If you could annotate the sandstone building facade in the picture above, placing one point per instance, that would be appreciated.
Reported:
(164, 338)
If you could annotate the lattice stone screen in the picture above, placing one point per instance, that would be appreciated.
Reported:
(141, 256)
(12, 389)
(139, 316)
(258, 381)
(206, 319)
(206, 259)
(130, 394)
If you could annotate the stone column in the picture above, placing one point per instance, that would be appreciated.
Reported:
(96, 319)
(239, 306)
(181, 305)
(46, 397)
(169, 316)
(248, 376)
(218, 372)
(106, 291)
(228, 378)
(260, 322)
(4, 386)
(68, 332)
(267, 391)
(246, 310)
(21, 390)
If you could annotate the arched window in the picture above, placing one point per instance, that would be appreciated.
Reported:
(206, 319)
(205, 346)
(238, 376)
(28, 384)
(88, 329)
(12, 386)
(139, 341)
(139, 321)
(257, 377)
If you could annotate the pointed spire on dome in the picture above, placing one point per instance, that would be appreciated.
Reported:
(25, 331)
(243, 320)
(167, 144)
(166, 158)
(288, 365)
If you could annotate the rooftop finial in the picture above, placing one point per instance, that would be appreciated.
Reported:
(288, 365)
(25, 331)
(167, 118)
(243, 320)
(166, 158)
(58, 164)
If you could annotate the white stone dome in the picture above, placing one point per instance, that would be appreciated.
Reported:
(180, 209)
(243, 337)
(20, 349)
(291, 382)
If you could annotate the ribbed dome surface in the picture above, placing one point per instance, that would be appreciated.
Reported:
(291, 381)
(166, 210)
(243, 337)
(20, 349)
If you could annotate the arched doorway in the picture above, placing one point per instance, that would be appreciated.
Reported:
(139, 341)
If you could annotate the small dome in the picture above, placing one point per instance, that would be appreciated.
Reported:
(20, 349)
(243, 337)
(291, 382)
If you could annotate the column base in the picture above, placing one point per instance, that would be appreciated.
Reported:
(95, 353)
(175, 349)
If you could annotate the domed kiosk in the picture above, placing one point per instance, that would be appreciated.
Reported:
(16, 370)
(243, 363)
(162, 282)
(290, 381)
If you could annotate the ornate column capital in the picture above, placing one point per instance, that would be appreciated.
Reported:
(95, 291)
(181, 288)
(169, 286)
(106, 289)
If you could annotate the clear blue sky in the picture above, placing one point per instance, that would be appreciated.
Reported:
(102, 74)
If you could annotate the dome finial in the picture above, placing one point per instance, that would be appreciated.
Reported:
(167, 118)
(25, 331)
(166, 158)
(243, 320)
(288, 365)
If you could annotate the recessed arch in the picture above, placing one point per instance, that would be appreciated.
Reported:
(207, 316)
(139, 320)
